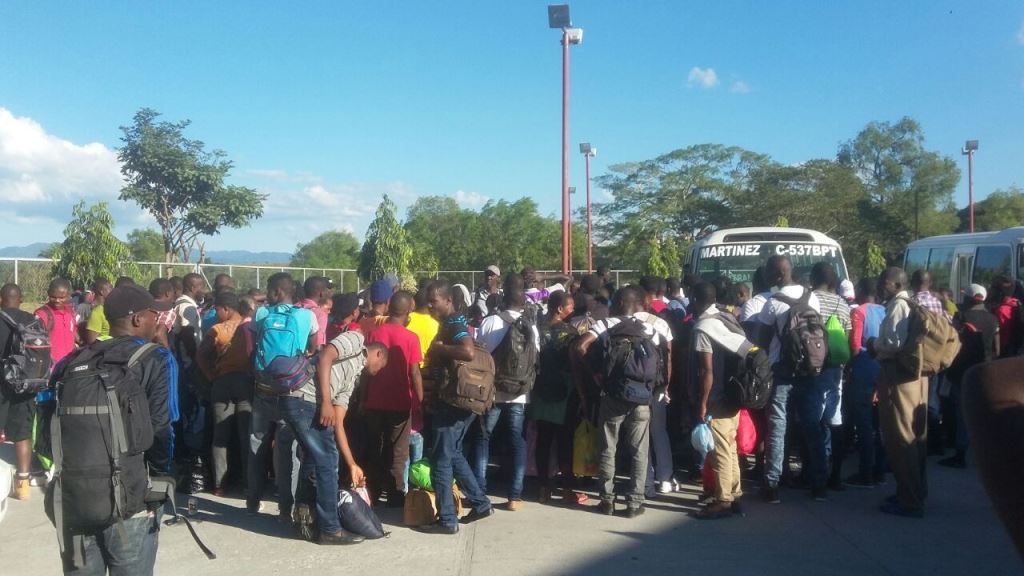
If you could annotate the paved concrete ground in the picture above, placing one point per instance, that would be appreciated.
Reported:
(843, 536)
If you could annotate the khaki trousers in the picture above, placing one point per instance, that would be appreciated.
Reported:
(724, 460)
(903, 416)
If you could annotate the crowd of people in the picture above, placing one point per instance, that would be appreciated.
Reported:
(211, 387)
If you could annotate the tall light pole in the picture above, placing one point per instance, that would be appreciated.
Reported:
(558, 17)
(589, 152)
(572, 192)
(969, 149)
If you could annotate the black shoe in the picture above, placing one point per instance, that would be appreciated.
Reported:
(342, 538)
(958, 462)
(438, 528)
(606, 507)
(737, 508)
(634, 511)
(770, 494)
(819, 494)
(473, 515)
(859, 481)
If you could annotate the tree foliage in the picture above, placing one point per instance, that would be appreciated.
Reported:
(332, 249)
(90, 250)
(146, 245)
(181, 184)
(386, 249)
(1001, 209)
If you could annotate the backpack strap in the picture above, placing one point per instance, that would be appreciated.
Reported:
(49, 316)
(10, 321)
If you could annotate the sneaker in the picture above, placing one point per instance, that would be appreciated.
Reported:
(958, 462)
(606, 507)
(664, 487)
(254, 507)
(770, 494)
(39, 479)
(22, 489)
(859, 481)
(342, 538)
(634, 511)
(304, 522)
(438, 528)
(819, 494)
(219, 492)
(473, 516)
(514, 505)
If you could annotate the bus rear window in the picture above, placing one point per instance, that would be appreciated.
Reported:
(739, 261)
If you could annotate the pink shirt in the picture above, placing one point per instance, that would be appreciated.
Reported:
(62, 330)
(321, 320)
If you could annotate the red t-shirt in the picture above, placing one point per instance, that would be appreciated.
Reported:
(62, 330)
(391, 388)
(657, 306)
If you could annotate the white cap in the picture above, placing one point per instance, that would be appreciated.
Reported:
(976, 292)
(846, 290)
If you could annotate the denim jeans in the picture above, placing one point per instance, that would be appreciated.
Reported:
(775, 441)
(815, 405)
(513, 416)
(265, 419)
(319, 460)
(659, 467)
(448, 463)
(864, 372)
(107, 550)
(415, 454)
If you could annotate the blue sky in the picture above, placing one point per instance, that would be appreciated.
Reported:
(326, 106)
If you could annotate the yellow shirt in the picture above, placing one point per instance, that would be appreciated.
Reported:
(98, 323)
(425, 328)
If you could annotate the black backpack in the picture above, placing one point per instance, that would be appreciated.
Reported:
(631, 362)
(515, 358)
(803, 339)
(99, 429)
(748, 374)
(26, 363)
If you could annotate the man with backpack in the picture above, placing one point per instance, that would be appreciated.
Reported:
(836, 314)
(902, 400)
(791, 327)
(629, 371)
(115, 402)
(187, 337)
(512, 338)
(450, 423)
(24, 344)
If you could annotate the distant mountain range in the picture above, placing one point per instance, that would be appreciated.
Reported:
(215, 256)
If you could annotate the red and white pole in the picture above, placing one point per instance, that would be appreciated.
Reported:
(590, 238)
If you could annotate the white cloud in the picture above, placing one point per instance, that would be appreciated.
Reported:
(702, 77)
(739, 87)
(39, 170)
(470, 199)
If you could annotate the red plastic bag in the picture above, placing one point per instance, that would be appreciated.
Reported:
(746, 434)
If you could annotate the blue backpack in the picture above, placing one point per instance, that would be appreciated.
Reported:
(279, 358)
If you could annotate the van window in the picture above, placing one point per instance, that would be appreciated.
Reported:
(917, 259)
(940, 264)
(991, 261)
(1020, 262)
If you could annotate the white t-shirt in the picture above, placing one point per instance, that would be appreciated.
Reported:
(775, 314)
(490, 334)
(754, 306)
(650, 328)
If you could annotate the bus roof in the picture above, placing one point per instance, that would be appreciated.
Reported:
(765, 234)
(1007, 236)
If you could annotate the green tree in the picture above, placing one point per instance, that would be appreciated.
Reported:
(909, 188)
(671, 259)
(655, 265)
(181, 184)
(1001, 209)
(332, 249)
(146, 245)
(874, 262)
(90, 250)
(386, 249)
(443, 235)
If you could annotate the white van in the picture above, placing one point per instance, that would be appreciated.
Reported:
(737, 252)
(958, 260)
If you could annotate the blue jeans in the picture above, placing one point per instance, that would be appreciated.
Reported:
(659, 467)
(816, 401)
(863, 373)
(514, 416)
(448, 463)
(415, 454)
(265, 418)
(319, 461)
(775, 442)
(107, 550)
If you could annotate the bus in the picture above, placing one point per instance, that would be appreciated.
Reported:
(737, 252)
(958, 260)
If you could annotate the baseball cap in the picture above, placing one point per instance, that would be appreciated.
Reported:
(976, 292)
(131, 299)
(381, 290)
(846, 290)
(492, 269)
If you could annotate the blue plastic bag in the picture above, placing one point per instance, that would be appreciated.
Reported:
(701, 438)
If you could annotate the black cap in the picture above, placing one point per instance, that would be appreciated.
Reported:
(131, 299)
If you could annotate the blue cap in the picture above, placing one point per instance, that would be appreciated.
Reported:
(381, 290)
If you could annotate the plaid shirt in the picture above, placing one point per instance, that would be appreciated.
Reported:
(929, 301)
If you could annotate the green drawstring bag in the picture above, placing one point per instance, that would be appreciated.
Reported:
(838, 345)
(419, 474)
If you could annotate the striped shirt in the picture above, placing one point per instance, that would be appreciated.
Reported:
(833, 304)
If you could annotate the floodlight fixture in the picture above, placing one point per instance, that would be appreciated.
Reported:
(970, 146)
(558, 16)
(587, 149)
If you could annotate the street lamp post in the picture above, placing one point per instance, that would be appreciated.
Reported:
(970, 147)
(558, 17)
(589, 152)
(572, 191)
